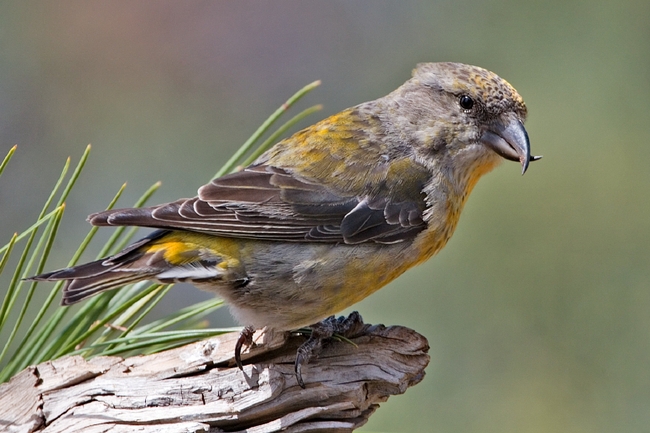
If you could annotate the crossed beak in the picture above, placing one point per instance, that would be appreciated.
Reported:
(508, 137)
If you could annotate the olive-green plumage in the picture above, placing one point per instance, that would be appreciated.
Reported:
(333, 213)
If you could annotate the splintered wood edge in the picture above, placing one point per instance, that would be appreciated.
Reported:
(197, 387)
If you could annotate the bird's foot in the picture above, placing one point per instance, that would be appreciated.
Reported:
(245, 339)
(344, 326)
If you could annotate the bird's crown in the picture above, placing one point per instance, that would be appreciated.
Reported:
(457, 78)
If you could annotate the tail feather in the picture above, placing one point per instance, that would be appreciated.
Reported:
(91, 278)
(108, 273)
(79, 289)
(86, 270)
(146, 259)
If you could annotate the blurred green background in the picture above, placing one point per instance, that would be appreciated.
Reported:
(537, 311)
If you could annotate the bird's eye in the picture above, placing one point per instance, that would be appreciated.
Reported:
(466, 102)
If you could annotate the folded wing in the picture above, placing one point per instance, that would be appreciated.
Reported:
(269, 203)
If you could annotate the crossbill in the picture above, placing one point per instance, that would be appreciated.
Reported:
(331, 214)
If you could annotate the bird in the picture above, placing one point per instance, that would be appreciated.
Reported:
(330, 214)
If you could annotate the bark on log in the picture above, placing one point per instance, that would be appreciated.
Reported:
(197, 388)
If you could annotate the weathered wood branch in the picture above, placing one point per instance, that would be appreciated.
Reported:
(197, 388)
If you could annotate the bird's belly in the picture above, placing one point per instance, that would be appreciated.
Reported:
(297, 284)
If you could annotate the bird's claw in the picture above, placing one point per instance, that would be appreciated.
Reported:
(344, 326)
(245, 339)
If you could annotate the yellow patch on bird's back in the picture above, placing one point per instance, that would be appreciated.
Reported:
(180, 248)
(336, 151)
(175, 251)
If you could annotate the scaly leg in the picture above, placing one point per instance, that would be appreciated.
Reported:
(345, 326)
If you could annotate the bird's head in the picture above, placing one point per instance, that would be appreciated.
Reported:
(472, 116)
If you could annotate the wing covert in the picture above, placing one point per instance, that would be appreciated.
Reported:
(327, 183)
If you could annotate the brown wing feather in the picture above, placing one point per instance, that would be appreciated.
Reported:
(269, 203)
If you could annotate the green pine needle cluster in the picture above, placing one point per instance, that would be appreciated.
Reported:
(113, 322)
